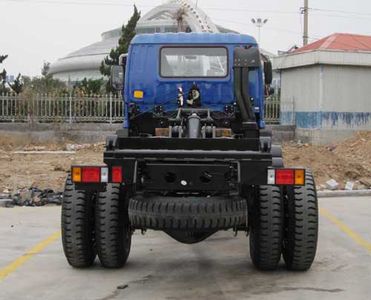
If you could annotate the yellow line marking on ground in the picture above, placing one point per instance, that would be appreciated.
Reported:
(344, 228)
(13, 266)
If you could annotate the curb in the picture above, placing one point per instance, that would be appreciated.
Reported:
(329, 194)
(6, 202)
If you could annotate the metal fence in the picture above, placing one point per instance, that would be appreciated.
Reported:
(272, 110)
(75, 109)
(65, 108)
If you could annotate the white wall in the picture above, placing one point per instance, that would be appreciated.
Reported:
(301, 86)
(346, 89)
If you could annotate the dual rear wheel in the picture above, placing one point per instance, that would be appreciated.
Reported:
(95, 223)
(284, 223)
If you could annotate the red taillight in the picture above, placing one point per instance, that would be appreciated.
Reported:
(90, 174)
(285, 176)
(96, 174)
(116, 174)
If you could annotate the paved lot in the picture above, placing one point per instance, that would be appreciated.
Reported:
(32, 265)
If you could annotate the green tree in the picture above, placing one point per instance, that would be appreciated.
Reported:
(3, 74)
(127, 34)
(2, 58)
(45, 84)
(17, 85)
(179, 16)
(90, 86)
(45, 69)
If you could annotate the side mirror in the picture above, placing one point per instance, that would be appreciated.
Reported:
(269, 91)
(268, 72)
(117, 77)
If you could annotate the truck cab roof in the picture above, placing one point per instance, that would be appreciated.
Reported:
(194, 38)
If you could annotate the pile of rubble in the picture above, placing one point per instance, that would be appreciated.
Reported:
(333, 185)
(30, 197)
(339, 166)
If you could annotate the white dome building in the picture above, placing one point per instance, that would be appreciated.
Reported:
(85, 63)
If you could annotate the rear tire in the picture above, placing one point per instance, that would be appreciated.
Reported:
(266, 223)
(113, 233)
(78, 226)
(301, 226)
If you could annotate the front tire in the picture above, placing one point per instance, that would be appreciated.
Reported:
(266, 223)
(301, 226)
(113, 233)
(78, 226)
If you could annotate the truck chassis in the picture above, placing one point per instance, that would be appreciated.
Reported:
(191, 172)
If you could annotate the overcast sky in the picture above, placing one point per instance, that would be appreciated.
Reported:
(33, 31)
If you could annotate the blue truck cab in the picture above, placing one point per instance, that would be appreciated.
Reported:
(192, 158)
(159, 64)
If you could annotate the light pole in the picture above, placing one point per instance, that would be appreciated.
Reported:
(259, 22)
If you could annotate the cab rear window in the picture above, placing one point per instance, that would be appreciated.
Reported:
(194, 62)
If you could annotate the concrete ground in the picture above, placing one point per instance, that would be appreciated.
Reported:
(32, 265)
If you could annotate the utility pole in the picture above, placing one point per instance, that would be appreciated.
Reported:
(306, 22)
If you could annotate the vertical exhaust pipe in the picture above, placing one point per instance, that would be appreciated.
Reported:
(245, 59)
(237, 91)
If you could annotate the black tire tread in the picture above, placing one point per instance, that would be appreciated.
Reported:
(111, 227)
(191, 213)
(78, 226)
(266, 232)
(301, 234)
